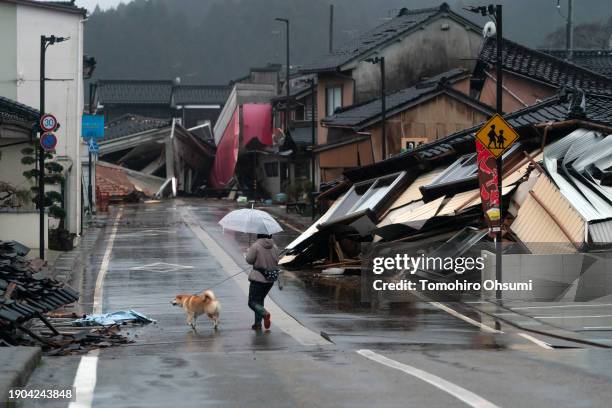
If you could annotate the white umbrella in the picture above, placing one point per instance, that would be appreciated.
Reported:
(250, 221)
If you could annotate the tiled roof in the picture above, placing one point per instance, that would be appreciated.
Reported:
(113, 181)
(598, 109)
(359, 116)
(599, 61)
(18, 112)
(134, 92)
(130, 124)
(545, 68)
(200, 94)
(405, 21)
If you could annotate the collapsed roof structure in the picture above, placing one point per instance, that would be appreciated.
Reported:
(556, 185)
(158, 152)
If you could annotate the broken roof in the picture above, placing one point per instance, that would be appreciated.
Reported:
(405, 22)
(127, 91)
(366, 114)
(200, 94)
(11, 110)
(130, 124)
(598, 109)
(544, 68)
(599, 61)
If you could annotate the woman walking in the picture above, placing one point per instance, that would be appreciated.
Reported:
(263, 254)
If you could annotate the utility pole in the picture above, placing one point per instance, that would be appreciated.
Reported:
(381, 61)
(44, 43)
(569, 30)
(499, 108)
(383, 98)
(287, 85)
(496, 12)
(41, 151)
(331, 28)
(313, 141)
(89, 182)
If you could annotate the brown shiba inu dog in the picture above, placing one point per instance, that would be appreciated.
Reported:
(196, 305)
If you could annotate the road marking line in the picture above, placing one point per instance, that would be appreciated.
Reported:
(99, 290)
(539, 342)
(282, 319)
(469, 320)
(570, 317)
(456, 391)
(597, 328)
(296, 229)
(562, 306)
(86, 375)
(85, 381)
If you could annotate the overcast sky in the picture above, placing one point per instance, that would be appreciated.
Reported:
(104, 4)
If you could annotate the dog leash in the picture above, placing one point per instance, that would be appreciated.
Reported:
(226, 279)
(280, 286)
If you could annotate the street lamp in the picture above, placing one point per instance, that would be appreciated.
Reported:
(496, 12)
(44, 43)
(381, 61)
(313, 85)
(286, 21)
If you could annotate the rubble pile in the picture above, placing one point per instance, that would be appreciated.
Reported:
(25, 293)
(61, 337)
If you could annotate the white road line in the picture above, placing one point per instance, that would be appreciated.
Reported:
(296, 229)
(539, 342)
(469, 320)
(86, 375)
(456, 391)
(562, 306)
(99, 290)
(281, 319)
(603, 328)
(85, 381)
(570, 317)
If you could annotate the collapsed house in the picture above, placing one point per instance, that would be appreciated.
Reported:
(556, 191)
(159, 155)
(247, 152)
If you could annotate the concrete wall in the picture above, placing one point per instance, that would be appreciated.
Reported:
(8, 46)
(64, 95)
(22, 226)
(437, 47)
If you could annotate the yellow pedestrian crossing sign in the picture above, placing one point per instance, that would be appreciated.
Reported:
(497, 135)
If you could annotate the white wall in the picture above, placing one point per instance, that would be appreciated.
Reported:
(23, 227)
(64, 94)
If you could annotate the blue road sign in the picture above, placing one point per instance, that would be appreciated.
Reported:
(48, 141)
(93, 146)
(92, 127)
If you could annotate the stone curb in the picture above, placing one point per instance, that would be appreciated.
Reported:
(17, 364)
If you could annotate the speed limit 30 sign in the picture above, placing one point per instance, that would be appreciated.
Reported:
(48, 122)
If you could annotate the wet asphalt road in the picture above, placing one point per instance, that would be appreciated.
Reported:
(156, 255)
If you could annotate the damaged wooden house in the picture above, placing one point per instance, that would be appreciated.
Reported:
(557, 193)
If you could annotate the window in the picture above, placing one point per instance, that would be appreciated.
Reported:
(411, 143)
(333, 99)
(271, 169)
(367, 195)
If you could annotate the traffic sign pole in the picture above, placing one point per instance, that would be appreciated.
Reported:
(499, 94)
